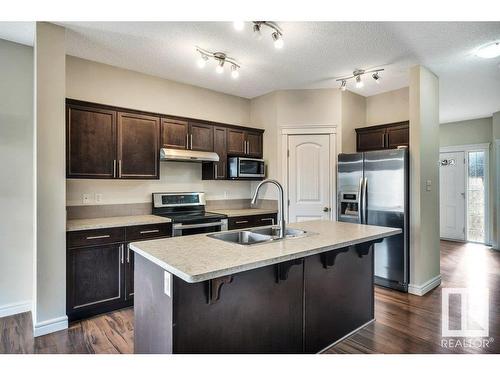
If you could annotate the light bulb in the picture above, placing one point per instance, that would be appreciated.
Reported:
(278, 43)
(256, 32)
(343, 85)
(202, 61)
(220, 67)
(359, 82)
(489, 51)
(376, 77)
(234, 72)
(239, 25)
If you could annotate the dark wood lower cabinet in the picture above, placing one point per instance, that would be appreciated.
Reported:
(240, 222)
(100, 268)
(299, 306)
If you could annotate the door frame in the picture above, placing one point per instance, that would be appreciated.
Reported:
(331, 131)
(487, 211)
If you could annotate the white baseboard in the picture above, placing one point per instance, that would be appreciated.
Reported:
(15, 308)
(422, 289)
(49, 326)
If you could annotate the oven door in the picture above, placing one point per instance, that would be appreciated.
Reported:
(180, 229)
(248, 167)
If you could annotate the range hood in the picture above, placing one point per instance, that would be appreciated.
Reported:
(170, 154)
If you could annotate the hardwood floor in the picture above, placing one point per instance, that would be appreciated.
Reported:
(404, 323)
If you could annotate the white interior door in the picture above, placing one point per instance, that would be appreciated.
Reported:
(452, 195)
(309, 178)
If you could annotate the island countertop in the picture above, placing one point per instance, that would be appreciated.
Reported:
(198, 258)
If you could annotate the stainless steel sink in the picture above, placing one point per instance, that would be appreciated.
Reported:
(244, 237)
(258, 235)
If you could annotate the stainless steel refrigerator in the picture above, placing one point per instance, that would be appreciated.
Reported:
(372, 188)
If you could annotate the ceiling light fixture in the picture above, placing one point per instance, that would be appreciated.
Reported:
(239, 25)
(221, 59)
(357, 77)
(276, 35)
(489, 51)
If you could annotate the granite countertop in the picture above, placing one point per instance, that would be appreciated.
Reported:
(198, 258)
(116, 221)
(244, 211)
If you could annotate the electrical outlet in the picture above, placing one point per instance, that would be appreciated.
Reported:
(98, 198)
(428, 185)
(86, 198)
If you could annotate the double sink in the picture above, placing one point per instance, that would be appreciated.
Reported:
(258, 235)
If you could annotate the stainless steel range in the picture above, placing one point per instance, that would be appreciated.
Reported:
(187, 212)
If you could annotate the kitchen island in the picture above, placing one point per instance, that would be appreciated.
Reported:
(198, 294)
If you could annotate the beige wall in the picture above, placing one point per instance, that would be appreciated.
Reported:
(95, 82)
(392, 106)
(49, 308)
(17, 181)
(424, 156)
(465, 132)
(353, 109)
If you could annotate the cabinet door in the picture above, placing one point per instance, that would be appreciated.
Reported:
(235, 142)
(90, 142)
(398, 136)
(95, 279)
(254, 144)
(138, 146)
(201, 137)
(129, 274)
(368, 140)
(174, 134)
(220, 147)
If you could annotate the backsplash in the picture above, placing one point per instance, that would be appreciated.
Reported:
(174, 177)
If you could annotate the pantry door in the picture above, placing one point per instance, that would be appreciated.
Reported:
(310, 169)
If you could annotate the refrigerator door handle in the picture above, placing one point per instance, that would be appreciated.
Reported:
(364, 205)
(360, 195)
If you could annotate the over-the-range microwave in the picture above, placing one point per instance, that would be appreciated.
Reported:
(240, 167)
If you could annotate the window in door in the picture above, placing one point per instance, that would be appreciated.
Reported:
(476, 196)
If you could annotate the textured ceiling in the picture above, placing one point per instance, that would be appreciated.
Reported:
(315, 53)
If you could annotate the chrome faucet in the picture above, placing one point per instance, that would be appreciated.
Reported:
(281, 205)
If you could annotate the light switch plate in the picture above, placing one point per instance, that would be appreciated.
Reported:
(167, 283)
(428, 185)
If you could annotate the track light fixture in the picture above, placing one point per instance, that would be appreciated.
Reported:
(276, 35)
(221, 59)
(357, 77)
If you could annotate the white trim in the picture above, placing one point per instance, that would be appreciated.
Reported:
(496, 199)
(15, 308)
(474, 147)
(330, 130)
(420, 290)
(49, 326)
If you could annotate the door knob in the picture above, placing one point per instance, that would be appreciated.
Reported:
(326, 209)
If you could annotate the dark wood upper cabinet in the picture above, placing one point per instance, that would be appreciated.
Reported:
(174, 133)
(254, 144)
(90, 142)
(201, 136)
(217, 170)
(236, 142)
(138, 146)
(383, 136)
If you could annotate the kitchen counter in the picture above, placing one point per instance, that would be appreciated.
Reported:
(199, 258)
(111, 222)
(244, 211)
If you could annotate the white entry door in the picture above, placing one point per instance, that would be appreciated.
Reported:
(452, 195)
(309, 177)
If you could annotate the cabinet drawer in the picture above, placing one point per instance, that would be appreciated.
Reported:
(240, 222)
(149, 231)
(95, 237)
(263, 220)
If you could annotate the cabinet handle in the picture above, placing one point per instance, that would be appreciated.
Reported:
(128, 254)
(187, 141)
(149, 231)
(98, 237)
(120, 168)
(122, 255)
(114, 168)
(241, 222)
(248, 147)
(216, 172)
(267, 219)
(191, 138)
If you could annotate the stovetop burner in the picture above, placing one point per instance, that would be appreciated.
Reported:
(193, 216)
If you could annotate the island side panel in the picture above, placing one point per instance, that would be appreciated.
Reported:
(254, 314)
(339, 298)
(152, 309)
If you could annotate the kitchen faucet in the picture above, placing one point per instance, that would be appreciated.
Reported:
(281, 205)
